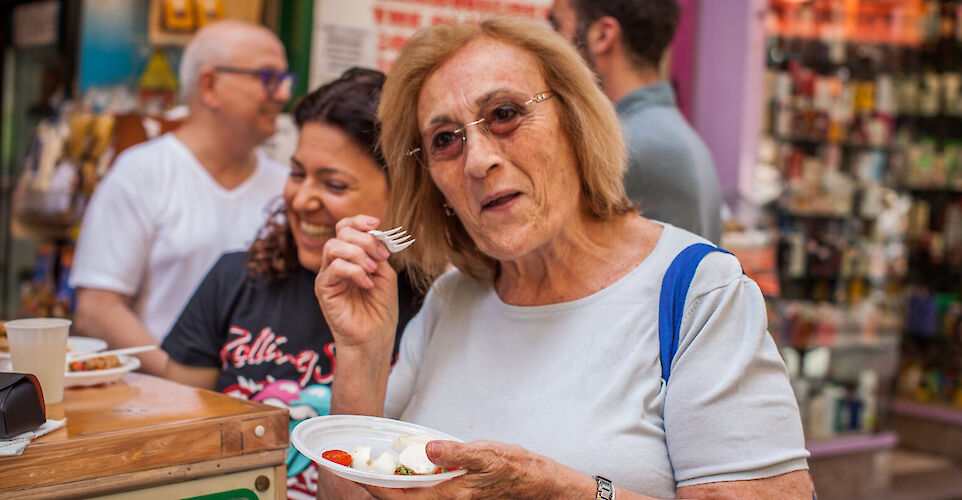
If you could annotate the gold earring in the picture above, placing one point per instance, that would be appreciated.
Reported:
(447, 209)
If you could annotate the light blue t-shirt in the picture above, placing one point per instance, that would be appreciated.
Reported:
(580, 381)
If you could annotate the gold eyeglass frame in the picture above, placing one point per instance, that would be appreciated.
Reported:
(461, 132)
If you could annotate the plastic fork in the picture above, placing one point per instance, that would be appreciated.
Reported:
(116, 352)
(394, 240)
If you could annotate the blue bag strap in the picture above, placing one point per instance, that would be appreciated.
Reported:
(671, 303)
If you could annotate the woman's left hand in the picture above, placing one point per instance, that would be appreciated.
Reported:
(495, 470)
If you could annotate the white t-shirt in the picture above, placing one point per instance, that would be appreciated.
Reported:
(158, 221)
(580, 381)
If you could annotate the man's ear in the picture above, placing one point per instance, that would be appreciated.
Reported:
(206, 80)
(604, 35)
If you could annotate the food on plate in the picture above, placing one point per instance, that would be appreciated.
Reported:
(383, 464)
(413, 456)
(4, 343)
(98, 363)
(338, 457)
(412, 459)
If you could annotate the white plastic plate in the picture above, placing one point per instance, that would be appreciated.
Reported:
(83, 345)
(314, 436)
(95, 377)
(76, 345)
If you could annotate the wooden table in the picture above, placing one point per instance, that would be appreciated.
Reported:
(163, 439)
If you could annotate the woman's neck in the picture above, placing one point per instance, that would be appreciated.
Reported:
(578, 263)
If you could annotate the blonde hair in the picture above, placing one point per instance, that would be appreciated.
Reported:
(587, 119)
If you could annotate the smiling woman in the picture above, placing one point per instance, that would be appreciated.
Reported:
(253, 328)
(332, 177)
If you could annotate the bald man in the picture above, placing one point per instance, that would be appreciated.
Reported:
(170, 206)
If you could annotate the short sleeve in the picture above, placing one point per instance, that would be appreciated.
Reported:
(198, 334)
(730, 413)
(116, 235)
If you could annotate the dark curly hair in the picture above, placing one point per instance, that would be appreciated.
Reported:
(348, 103)
(648, 26)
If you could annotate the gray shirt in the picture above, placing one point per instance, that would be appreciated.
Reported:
(580, 381)
(670, 170)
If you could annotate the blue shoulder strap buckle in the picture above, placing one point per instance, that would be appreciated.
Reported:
(671, 302)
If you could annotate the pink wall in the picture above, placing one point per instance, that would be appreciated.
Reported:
(727, 94)
(683, 55)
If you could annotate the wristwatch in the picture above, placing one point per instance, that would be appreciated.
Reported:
(605, 490)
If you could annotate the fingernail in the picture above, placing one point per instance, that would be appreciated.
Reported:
(433, 448)
(384, 253)
(372, 222)
(370, 265)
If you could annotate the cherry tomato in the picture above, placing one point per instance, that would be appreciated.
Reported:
(338, 457)
(76, 366)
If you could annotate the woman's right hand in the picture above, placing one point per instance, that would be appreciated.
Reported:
(357, 291)
(357, 288)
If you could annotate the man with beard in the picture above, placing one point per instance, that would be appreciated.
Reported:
(670, 173)
(170, 206)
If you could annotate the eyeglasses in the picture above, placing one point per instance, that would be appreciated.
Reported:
(272, 80)
(500, 118)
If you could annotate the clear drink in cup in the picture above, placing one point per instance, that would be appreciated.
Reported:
(39, 346)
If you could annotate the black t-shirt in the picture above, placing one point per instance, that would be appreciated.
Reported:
(258, 331)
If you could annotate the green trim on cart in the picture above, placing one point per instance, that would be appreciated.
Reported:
(227, 495)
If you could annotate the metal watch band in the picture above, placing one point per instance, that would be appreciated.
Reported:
(605, 490)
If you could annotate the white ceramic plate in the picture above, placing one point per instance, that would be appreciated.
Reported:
(95, 377)
(314, 436)
(76, 345)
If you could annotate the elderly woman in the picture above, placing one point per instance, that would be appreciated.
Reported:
(506, 160)
(252, 328)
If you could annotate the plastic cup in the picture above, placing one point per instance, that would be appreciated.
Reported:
(39, 346)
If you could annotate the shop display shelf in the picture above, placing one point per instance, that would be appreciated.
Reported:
(852, 466)
(847, 444)
(800, 214)
(930, 411)
(826, 142)
(928, 427)
(813, 38)
(933, 190)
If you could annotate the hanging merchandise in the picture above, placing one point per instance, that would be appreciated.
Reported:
(185, 16)
(208, 11)
(69, 154)
(157, 85)
(178, 16)
(173, 22)
(47, 185)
